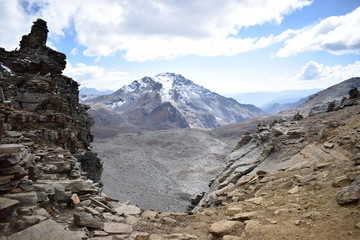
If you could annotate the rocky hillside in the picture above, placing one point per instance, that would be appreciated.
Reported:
(167, 101)
(318, 102)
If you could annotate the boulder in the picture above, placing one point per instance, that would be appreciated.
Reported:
(350, 193)
(87, 220)
(46, 230)
(225, 227)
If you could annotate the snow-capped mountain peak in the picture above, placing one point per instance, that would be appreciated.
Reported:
(167, 82)
(194, 104)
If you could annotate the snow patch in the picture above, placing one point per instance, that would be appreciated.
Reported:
(167, 85)
(6, 68)
(115, 103)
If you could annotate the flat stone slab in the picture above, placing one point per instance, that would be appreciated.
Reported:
(10, 148)
(7, 206)
(117, 228)
(9, 159)
(86, 220)
(25, 198)
(245, 216)
(46, 230)
(128, 210)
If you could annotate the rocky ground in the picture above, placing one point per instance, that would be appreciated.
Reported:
(160, 170)
(306, 187)
(297, 179)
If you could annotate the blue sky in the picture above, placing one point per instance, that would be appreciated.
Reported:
(228, 46)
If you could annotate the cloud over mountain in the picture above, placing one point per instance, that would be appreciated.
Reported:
(314, 71)
(95, 76)
(334, 34)
(148, 30)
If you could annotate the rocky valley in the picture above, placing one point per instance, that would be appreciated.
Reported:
(269, 178)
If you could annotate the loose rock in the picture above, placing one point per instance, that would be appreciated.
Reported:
(225, 227)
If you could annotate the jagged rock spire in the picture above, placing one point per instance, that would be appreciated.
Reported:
(37, 37)
(34, 56)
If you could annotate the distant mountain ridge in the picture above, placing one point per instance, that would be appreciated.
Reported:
(166, 101)
(262, 99)
(277, 107)
(319, 101)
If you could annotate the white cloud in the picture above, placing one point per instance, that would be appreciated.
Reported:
(336, 34)
(96, 77)
(74, 51)
(317, 73)
(158, 29)
(311, 71)
(14, 23)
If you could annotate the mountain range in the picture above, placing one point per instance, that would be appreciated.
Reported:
(166, 101)
(276, 107)
(93, 91)
(264, 99)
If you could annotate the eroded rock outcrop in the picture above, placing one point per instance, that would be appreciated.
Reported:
(46, 164)
(42, 126)
(34, 56)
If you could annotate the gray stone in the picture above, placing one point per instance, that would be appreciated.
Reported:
(257, 200)
(139, 236)
(61, 195)
(128, 210)
(8, 185)
(175, 236)
(45, 230)
(91, 210)
(328, 144)
(7, 160)
(225, 227)
(78, 186)
(86, 220)
(7, 206)
(278, 130)
(293, 190)
(12, 170)
(24, 198)
(340, 181)
(10, 148)
(100, 233)
(244, 216)
(61, 167)
(356, 158)
(13, 134)
(231, 237)
(350, 193)
(117, 228)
